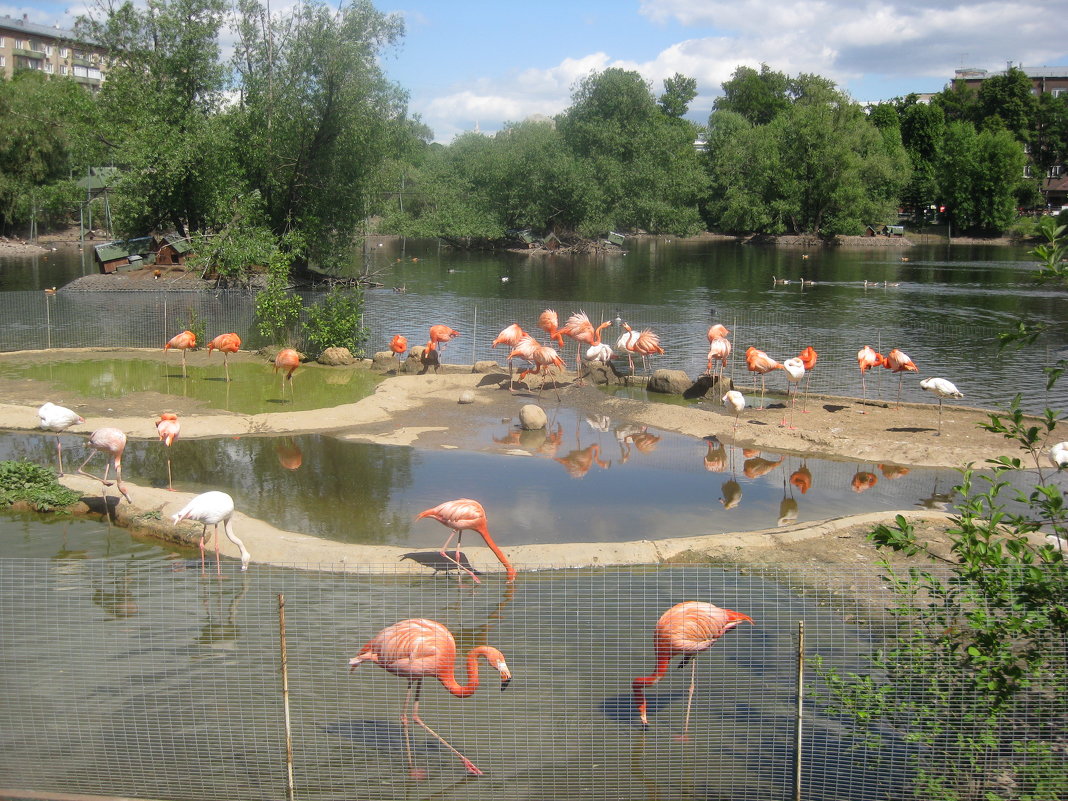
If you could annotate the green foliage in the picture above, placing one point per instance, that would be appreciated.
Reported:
(278, 309)
(196, 324)
(241, 245)
(976, 674)
(337, 321)
(25, 481)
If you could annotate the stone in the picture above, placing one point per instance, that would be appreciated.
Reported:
(385, 361)
(600, 373)
(669, 382)
(486, 366)
(335, 357)
(532, 417)
(467, 396)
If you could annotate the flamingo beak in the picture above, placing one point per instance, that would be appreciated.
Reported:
(737, 617)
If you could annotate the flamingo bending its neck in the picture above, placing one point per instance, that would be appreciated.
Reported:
(462, 515)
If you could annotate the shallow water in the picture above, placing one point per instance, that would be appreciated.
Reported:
(253, 388)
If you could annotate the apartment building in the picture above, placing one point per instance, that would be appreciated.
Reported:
(27, 45)
(1053, 80)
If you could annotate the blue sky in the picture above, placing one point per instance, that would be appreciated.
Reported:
(470, 62)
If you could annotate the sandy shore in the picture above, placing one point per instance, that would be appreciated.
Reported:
(423, 411)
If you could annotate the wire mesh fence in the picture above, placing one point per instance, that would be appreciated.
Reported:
(965, 353)
(148, 679)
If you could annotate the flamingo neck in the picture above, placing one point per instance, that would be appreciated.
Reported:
(497, 551)
(663, 659)
(448, 678)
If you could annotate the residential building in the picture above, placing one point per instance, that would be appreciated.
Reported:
(54, 51)
(1043, 79)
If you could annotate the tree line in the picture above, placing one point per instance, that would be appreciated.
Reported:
(294, 142)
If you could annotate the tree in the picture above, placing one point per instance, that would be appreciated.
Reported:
(679, 92)
(757, 96)
(958, 102)
(979, 175)
(316, 116)
(1009, 97)
(923, 128)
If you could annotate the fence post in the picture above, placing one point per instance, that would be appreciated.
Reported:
(800, 706)
(285, 694)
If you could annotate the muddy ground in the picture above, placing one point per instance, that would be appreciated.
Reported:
(425, 411)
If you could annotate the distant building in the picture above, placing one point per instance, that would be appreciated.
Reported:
(25, 45)
(1053, 80)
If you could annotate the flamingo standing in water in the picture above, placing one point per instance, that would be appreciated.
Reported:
(795, 371)
(168, 429)
(867, 358)
(212, 508)
(287, 360)
(419, 648)
(183, 341)
(225, 344)
(688, 629)
(757, 361)
(58, 419)
(808, 357)
(511, 337)
(943, 388)
(112, 442)
(462, 515)
(898, 361)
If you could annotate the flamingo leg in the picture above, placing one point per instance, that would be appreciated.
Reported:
(226, 364)
(444, 554)
(468, 764)
(59, 454)
(938, 433)
(203, 534)
(183, 363)
(804, 406)
(170, 484)
(218, 560)
(413, 771)
(684, 737)
(863, 392)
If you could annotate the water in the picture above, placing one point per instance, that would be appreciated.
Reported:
(147, 680)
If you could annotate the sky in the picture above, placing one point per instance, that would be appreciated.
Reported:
(475, 65)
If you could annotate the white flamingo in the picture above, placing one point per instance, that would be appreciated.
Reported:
(795, 371)
(1058, 454)
(212, 508)
(942, 388)
(58, 419)
(735, 401)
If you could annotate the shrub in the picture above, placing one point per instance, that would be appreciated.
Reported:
(336, 322)
(25, 481)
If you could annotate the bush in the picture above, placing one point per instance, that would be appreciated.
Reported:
(336, 322)
(25, 481)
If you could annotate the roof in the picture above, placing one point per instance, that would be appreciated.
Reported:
(25, 26)
(99, 178)
(121, 249)
(179, 243)
(973, 73)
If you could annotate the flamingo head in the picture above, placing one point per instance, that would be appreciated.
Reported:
(735, 619)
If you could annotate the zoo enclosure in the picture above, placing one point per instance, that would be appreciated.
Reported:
(967, 354)
(148, 679)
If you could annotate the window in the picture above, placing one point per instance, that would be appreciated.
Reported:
(81, 72)
(64, 69)
(3, 61)
(1055, 171)
(48, 50)
(50, 68)
(1059, 92)
(1, 41)
(22, 44)
(64, 52)
(94, 73)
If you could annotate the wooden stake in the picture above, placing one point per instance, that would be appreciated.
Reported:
(800, 705)
(285, 694)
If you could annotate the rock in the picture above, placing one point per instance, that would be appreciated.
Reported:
(414, 363)
(707, 387)
(385, 361)
(600, 373)
(467, 396)
(669, 382)
(532, 417)
(486, 366)
(335, 357)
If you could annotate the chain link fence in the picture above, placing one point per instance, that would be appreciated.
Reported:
(147, 679)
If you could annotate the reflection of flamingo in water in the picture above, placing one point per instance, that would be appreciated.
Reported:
(715, 456)
(757, 466)
(462, 515)
(419, 648)
(688, 629)
(788, 509)
(578, 462)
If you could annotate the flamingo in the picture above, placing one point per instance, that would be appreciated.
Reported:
(183, 341)
(524, 349)
(942, 388)
(462, 515)
(58, 419)
(549, 322)
(225, 344)
(732, 494)
(757, 361)
(212, 508)
(578, 462)
(601, 352)
(863, 481)
(112, 442)
(734, 400)
(808, 357)
(647, 344)
(511, 337)
(398, 344)
(168, 428)
(898, 361)
(802, 478)
(718, 331)
(1058, 454)
(867, 358)
(440, 335)
(580, 329)
(687, 628)
(719, 350)
(795, 371)
(626, 342)
(287, 360)
(544, 359)
(417, 648)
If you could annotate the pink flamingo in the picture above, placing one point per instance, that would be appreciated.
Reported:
(510, 336)
(287, 360)
(867, 358)
(225, 344)
(183, 341)
(549, 322)
(757, 361)
(112, 442)
(897, 361)
(808, 357)
(462, 515)
(719, 350)
(687, 628)
(417, 648)
(168, 429)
